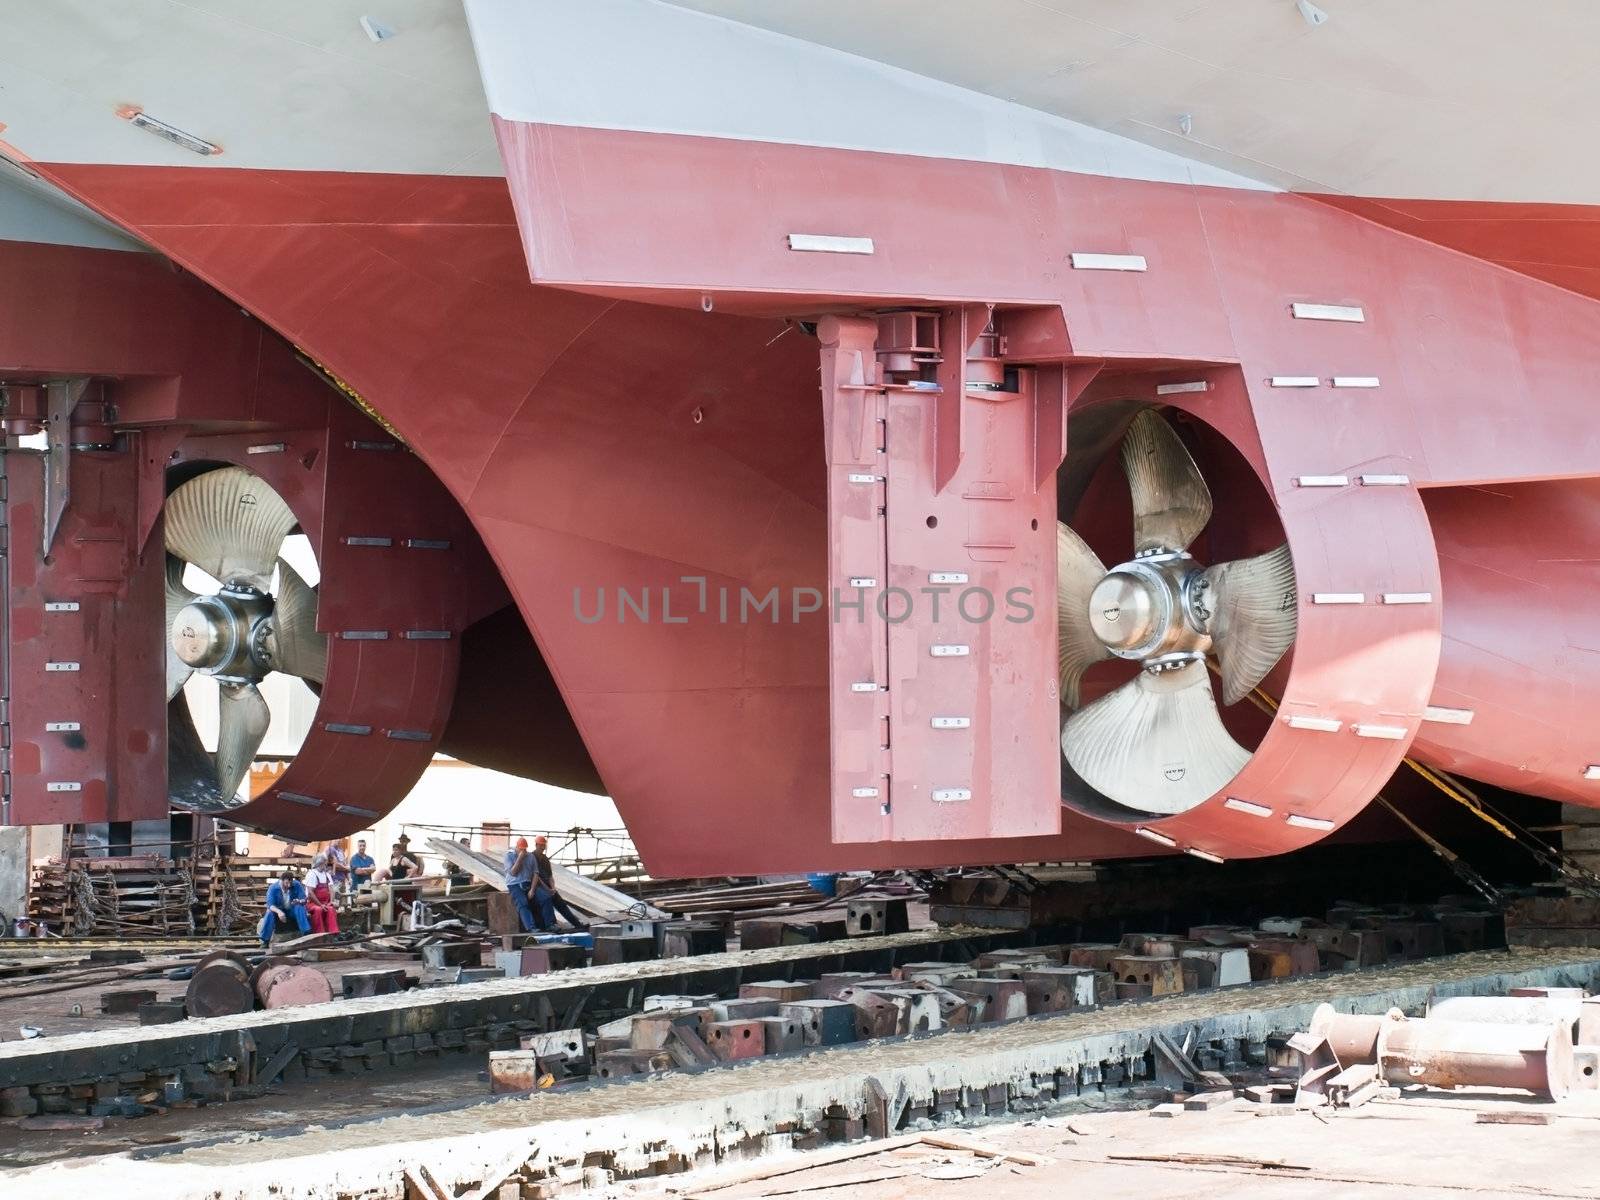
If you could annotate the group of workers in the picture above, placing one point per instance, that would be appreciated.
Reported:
(308, 903)
(530, 878)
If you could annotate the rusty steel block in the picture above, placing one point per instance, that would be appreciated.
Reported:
(957, 1011)
(783, 991)
(1007, 958)
(1055, 989)
(514, 1071)
(1094, 955)
(1354, 916)
(1135, 943)
(1132, 991)
(570, 1044)
(1464, 931)
(650, 1031)
(437, 956)
(743, 1009)
(1342, 948)
(1006, 999)
(831, 984)
(662, 1003)
(1268, 963)
(1163, 976)
(822, 1022)
(1281, 957)
(1169, 947)
(876, 1016)
(760, 933)
(372, 983)
(689, 939)
(1013, 970)
(509, 963)
(1281, 926)
(1220, 935)
(554, 956)
(126, 1001)
(623, 948)
(953, 1009)
(732, 1041)
(782, 1035)
(801, 933)
(1219, 966)
(937, 973)
(161, 1012)
(869, 918)
(918, 1010)
(619, 1064)
(1412, 939)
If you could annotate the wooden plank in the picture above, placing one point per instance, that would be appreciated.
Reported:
(949, 1141)
(274, 1066)
(789, 1164)
(595, 899)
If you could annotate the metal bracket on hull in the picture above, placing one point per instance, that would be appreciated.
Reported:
(950, 548)
(61, 397)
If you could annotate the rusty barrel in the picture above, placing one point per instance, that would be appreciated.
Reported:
(219, 988)
(1509, 1010)
(1451, 1054)
(288, 984)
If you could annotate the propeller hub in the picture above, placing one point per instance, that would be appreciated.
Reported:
(217, 634)
(1141, 610)
(1124, 608)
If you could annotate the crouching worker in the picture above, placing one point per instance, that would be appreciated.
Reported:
(320, 883)
(286, 902)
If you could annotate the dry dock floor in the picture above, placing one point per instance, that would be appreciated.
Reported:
(1426, 1145)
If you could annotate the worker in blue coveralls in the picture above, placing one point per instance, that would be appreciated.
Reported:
(286, 901)
(520, 872)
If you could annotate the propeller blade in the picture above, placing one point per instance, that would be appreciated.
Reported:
(295, 646)
(191, 773)
(1078, 569)
(1254, 616)
(1171, 503)
(1156, 744)
(230, 524)
(243, 723)
(178, 671)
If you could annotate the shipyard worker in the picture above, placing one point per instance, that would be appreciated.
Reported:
(520, 874)
(339, 867)
(545, 895)
(402, 863)
(286, 902)
(319, 896)
(362, 865)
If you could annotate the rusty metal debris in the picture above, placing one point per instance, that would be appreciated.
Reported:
(1435, 1052)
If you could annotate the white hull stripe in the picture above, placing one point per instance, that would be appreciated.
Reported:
(649, 67)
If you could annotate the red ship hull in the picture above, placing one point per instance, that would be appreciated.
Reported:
(719, 352)
(599, 444)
